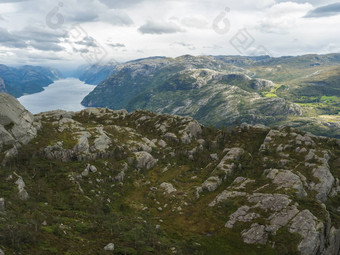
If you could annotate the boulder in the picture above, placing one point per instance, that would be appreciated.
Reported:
(242, 215)
(102, 141)
(211, 184)
(2, 205)
(286, 179)
(162, 143)
(168, 187)
(23, 195)
(145, 160)
(17, 125)
(326, 183)
(109, 247)
(310, 229)
(255, 235)
(170, 136)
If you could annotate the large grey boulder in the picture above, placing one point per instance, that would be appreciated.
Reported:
(310, 229)
(255, 235)
(17, 125)
(168, 187)
(2, 205)
(145, 160)
(286, 179)
(102, 142)
(109, 247)
(242, 215)
(23, 195)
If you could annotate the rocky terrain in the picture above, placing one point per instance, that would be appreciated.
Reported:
(103, 181)
(26, 79)
(222, 90)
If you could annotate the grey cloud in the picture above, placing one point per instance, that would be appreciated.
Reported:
(81, 50)
(119, 4)
(195, 21)
(88, 41)
(41, 39)
(306, 1)
(186, 45)
(116, 17)
(116, 45)
(31, 37)
(11, 41)
(46, 46)
(39, 34)
(82, 17)
(152, 27)
(12, 1)
(324, 11)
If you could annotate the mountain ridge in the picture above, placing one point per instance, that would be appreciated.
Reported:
(144, 85)
(27, 79)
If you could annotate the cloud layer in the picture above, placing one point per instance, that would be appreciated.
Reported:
(58, 33)
(324, 11)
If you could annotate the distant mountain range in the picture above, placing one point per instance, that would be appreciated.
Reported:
(26, 79)
(302, 91)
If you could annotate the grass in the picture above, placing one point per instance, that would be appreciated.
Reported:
(83, 223)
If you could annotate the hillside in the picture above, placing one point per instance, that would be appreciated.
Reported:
(95, 74)
(224, 90)
(26, 79)
(101, 181)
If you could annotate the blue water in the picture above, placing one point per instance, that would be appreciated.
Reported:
(63, 94)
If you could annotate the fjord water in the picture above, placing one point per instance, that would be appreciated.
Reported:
(63, 94)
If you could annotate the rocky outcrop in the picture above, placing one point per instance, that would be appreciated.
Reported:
(17, 125)
(257, 234)
(97, 164)
(168, 187)
(287, 180)
(23, 195)
(109, 247)
(224, 169)
(144, 160)
(261, 84)
(2, 204)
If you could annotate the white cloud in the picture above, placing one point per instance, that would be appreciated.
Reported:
(282, 17)
(195, 21)
(166, 28)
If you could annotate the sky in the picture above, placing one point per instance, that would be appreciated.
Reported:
(75, 32)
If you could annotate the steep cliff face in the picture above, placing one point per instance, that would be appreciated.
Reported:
(99, 180)
(95, 74)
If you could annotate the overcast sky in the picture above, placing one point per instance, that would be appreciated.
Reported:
(74, 32)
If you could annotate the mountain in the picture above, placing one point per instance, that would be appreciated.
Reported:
(95, 74)
(222, 90)
(101, 181)
(26, 79)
